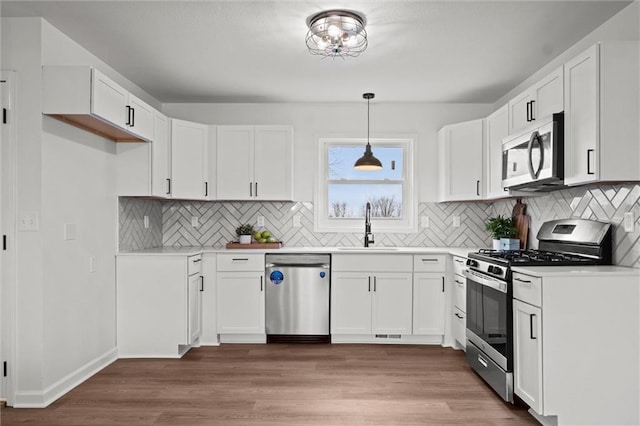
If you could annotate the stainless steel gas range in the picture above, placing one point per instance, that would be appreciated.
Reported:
(489, 291)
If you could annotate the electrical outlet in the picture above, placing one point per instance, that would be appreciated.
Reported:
(146, 222)
(296, 221)
(456, 221)
(69, 231)
(629, 222)
(424, 221)
(92, 263)
(194, 221)
(260, 221)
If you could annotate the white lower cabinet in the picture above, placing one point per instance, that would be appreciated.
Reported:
(527, 347)
(240, 295)
(158, 305)
(371, 294)
(576, 334)
(428, 303)
(459, 302)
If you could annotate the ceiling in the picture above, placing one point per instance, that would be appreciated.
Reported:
(254, 51)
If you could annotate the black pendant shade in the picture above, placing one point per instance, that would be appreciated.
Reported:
(368, 161)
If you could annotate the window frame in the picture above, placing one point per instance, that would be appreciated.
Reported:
(406, 224)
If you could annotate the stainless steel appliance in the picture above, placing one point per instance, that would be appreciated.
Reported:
(297, 297)
(490, 295)
(533, 159)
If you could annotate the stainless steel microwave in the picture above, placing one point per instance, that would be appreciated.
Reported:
(533, 159)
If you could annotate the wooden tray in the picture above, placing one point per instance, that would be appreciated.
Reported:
(234, 245)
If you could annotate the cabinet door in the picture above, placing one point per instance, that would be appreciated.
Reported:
(234, 168)
(140, 118)
(351, 303)
(581, 117)
(459, 327)
(161, 157)
(460, 292)
(428, 304)
(240, 302)
(519, 115)
(527, 367)
(189, 160)
(109, 100)
(497, 128)
(273, 163)
(548, 95)
(195, 308)
(463, 161)
(392, 296)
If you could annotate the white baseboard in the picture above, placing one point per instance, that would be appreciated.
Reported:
(35, 399)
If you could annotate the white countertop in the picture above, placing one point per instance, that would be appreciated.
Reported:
(592, 270)
(189, 251)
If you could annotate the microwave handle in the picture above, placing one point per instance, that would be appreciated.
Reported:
(534, 175)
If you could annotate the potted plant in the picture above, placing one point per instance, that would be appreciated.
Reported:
(503, 231)
(245, 232)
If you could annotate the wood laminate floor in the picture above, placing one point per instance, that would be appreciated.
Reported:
(279, 384)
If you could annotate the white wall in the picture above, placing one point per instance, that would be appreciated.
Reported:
(65, 314)
(625, 25)
(311, 120)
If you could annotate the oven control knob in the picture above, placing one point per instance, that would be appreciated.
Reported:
(497, 270)
(471, 262)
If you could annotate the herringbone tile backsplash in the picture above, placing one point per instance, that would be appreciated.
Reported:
(170, 221)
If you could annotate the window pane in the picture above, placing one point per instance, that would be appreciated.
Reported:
(349, 200)
(342, 159)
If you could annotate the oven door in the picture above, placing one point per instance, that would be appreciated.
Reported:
(489, 317)
(533, 156)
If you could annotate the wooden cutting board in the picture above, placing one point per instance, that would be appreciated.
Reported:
(521, 221)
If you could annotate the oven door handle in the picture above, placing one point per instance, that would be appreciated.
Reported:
(501, 286)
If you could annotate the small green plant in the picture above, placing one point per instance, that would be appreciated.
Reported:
(501, 227)
(245, 229)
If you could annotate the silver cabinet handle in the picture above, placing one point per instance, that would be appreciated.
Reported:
(429, 260)
(458, 315)
(240, 259)
(459, 282)
(459, 261)
(522, 281)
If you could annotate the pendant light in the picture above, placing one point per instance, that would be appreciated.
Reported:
(368, 161)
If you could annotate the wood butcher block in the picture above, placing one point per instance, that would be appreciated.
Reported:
(521, 221)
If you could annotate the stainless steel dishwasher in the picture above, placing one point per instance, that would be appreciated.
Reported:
(297, 297)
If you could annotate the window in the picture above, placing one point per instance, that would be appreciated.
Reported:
(342, 192)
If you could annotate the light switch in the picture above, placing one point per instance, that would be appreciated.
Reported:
(146, 222)
(260, 221)
(28, 221)
(69, 231)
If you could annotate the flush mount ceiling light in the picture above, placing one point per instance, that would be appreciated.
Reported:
(368, 161)
(336, 33)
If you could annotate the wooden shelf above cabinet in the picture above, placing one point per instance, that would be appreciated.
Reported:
(97, 126)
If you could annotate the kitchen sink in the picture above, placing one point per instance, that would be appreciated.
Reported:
(367, 248)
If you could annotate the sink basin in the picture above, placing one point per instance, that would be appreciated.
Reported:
(367, 248)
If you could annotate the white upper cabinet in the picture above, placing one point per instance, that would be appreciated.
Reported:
(86, 98)
(602, 114)
(190, 161)
(496, 129)
(542, 99)
(254, 163)
(161, 157)
(461, 151)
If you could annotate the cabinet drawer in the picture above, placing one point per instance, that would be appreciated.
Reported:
(194, 264)
(459, 264)
(459, 325)
(429, 262)
(241, 262)
(371, 262)
(460, 292)
(527, 288)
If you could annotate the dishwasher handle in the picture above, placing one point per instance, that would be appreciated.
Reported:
(296, 265)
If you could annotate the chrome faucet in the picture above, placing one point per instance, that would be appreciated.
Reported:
(368, 236)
